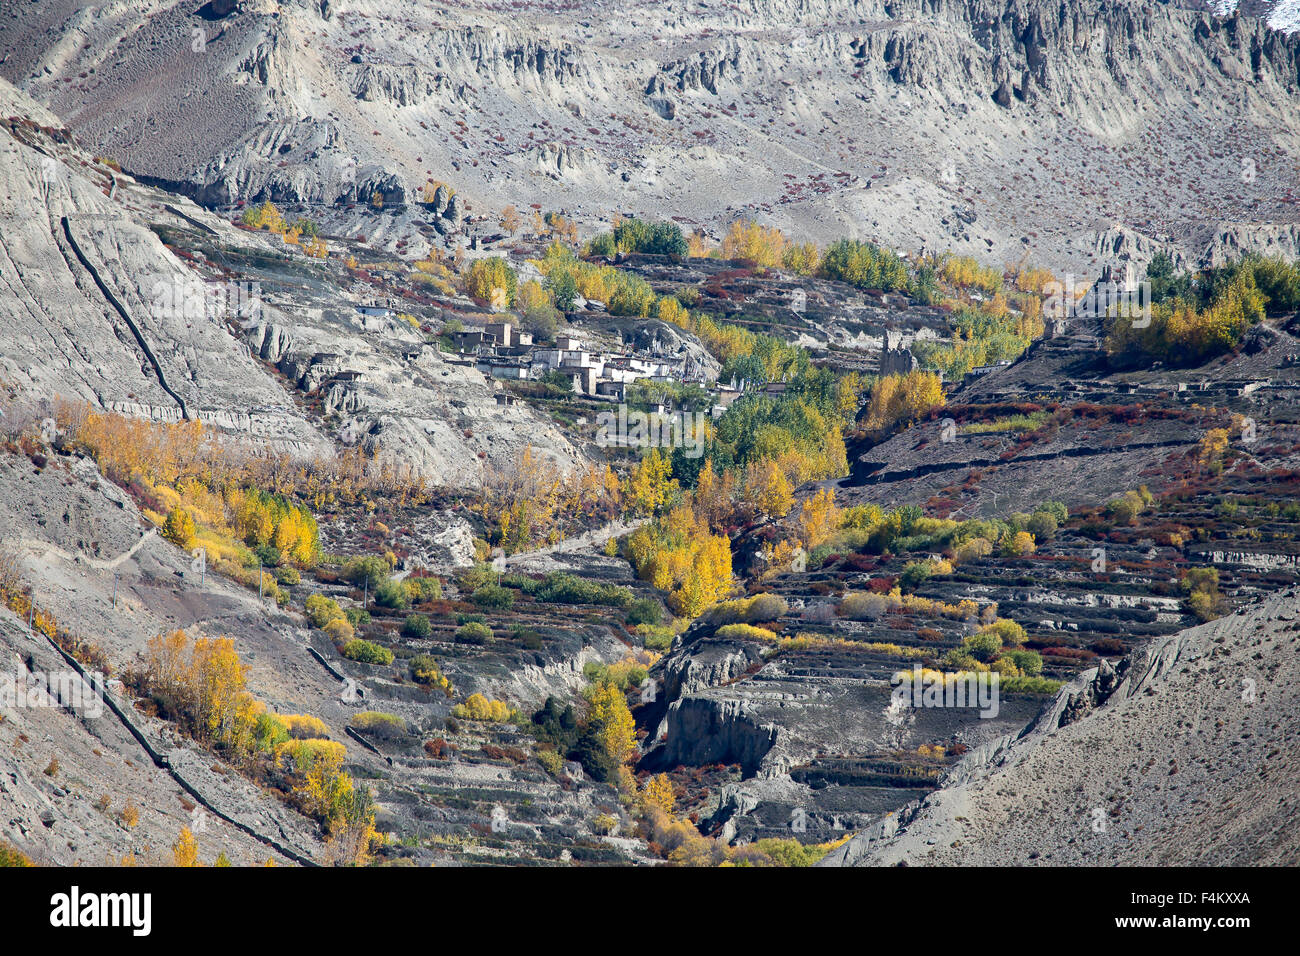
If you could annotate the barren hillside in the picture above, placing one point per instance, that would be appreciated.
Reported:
(1075, 134)
(542, 433)
(1181, 759)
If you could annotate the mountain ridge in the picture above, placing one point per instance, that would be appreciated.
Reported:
(815, 114)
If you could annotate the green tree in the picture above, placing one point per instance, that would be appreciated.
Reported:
(494, 596)
(367, 652)
(984, 646)
(393, 594)
(563, 288)
(417, 626)
(367, 571)
(864, 264)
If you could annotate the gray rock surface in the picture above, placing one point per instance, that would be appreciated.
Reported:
(140, 331)
(1181, 762)
(989, 128)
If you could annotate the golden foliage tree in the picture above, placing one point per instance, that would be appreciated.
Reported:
(617, 730)
(316, 769)
(265, 216)
(492, 280)
(768, 489)
(819, 518)
(185, 851)
(659, 793)
(900, 398)
(1211, 449)
(714, 496)
(802, 258)
(529, 500)
(478, 707)
(201, 681)
(510, 220)
(179, 528)
(679, 555)
(650, 486)
(747, 241)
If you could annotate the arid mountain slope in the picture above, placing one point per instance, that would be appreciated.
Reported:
(95, 307)
(1076, 133)
(1181, 761)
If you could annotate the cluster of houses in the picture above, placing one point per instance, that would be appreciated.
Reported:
(501, 351)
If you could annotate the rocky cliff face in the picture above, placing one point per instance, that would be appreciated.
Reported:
(140, 328)
(992, 128)
(1175, 760)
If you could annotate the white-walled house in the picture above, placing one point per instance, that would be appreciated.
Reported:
(568, 358)
(503, 368)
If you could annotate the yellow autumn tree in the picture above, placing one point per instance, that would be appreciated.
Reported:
(678, 554)
(179, 528)
(768, 489)
(531, 295)
(202, 682)
(967, 272)
(510, 220)
(899, 398)
(492, 280)
(659, 793)
(706, 580)
(265, 216)
(713, 494)
(819, 518)
(1019, 544)
(478, 707)
(670, 309)
(521, 498)
(352, 828)
(530, 500)
(747, 241)
(616, 728)
(185, 851)
(802, 258)
(650, 486)
(316, 769)
(256, 526)
(167, 667)
(218, 682)
(1211, 449)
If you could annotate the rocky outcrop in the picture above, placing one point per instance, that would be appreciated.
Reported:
(401, 86)
(703, 71)
(560, 161)
(143, 332)
(1094, 693)
(708, 665)
(705, 731)
(756, 101)
(1170, 758)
